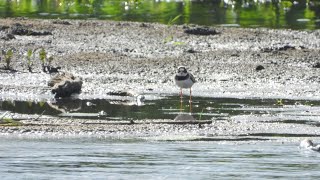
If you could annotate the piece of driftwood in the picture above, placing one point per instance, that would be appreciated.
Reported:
(65, 84)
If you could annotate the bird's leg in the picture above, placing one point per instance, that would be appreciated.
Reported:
(190, 101)
(190, 96)
(180, 99)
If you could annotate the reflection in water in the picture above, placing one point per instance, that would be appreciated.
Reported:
(275, 14)
(266, 110)
(181, 104)
(63, 106)
(184, 117)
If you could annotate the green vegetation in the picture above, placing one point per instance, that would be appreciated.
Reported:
(42, 103)
(307, 103)
(29, 60)
(279, 102)
(5, 120)
(7, 54)
(174, 20)
(247, 13)
(45, 61)
(170, 37)
(43, 56)
(9, 122)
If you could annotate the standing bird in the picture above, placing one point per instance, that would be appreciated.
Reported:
(183, 79)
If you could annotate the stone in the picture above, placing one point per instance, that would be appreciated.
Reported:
(259, 68)
(2, 28)
(65, 84)
(287, 47)
(191, 51)
(19, 29)
(204, 31)
(8, 37)
(59, 21)
(123, 93)
(316, 65)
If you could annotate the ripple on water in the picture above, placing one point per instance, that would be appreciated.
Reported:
(106, 158)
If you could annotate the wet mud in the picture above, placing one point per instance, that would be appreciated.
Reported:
(141, 59)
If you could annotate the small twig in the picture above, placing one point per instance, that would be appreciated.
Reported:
(39, 115)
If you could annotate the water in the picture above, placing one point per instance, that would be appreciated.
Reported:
(169, 107)
(303, 14)
(112, 158)
(130, 159)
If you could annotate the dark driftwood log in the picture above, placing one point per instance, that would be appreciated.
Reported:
(65, 84)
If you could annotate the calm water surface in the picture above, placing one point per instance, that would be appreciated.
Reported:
(169, 107)
(130, 159)
(301, 14)
(102, 158)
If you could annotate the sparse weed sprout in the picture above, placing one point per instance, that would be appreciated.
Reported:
(174, 20)
(200, 115)
(29, 60)
(170, 38)
(50, 59)
(10, 122)
(280, 102)
(43, 57)
(7, 57)
(6, 119)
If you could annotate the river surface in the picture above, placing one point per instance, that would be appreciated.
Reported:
(23, 157)
(302, 14)
(88, 158)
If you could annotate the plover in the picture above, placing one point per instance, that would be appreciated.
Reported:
(184, 80)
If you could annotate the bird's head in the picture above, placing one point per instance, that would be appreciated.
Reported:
(182, 71)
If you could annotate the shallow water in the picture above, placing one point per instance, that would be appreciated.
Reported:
(169, 107)
(124, 159)
(107, 158)
(250, 13)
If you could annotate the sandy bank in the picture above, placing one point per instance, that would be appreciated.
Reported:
(142, 57)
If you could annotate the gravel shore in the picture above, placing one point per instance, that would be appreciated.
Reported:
(142, 58)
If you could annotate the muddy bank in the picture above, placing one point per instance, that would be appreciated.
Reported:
(235, 130)
(141, 58)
